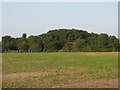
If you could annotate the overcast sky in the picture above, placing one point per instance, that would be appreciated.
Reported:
(35, 18)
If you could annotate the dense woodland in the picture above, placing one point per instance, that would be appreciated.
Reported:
(62, 40)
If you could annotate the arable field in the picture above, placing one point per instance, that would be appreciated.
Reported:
(60, 70)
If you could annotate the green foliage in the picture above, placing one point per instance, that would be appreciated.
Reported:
(87, 49)
(66, 39)
(113, 43)
(22, 44)
(24, 35)
(68, 47)
(80, 43)
(0, 46)
(8, 43)
(35, 44)
(74, 47)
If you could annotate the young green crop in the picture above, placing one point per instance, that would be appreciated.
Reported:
(58, 68)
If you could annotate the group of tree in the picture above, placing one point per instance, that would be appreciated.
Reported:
(0, 47)
(67, 40)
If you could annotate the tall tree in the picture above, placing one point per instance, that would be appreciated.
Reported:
(0, 46)
(8, 43)
(24, 35)
(113, 43)
(68, 47)
(80, 43)
(22, 43)
(35, 44)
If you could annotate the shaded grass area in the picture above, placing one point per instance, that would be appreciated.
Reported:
(58, 69)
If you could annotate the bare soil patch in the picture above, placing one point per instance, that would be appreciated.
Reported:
(71, 83)
(52, 71)
(22, 75)
(112, 83)
(100, 53)
(91, 54)
(37, 61)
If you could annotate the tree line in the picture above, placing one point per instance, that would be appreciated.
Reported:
(62, 40)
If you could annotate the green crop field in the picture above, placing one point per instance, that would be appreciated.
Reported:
(60, 70)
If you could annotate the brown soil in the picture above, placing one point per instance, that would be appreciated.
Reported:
(22, 75)
(91, 54)
(112, 83)
(99, 83)
(37, 61)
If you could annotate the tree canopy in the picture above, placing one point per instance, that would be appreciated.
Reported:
(69, 40)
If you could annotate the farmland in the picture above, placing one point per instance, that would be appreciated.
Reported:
(60, 70)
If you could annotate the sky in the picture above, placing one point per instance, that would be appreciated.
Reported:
(35, 18)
